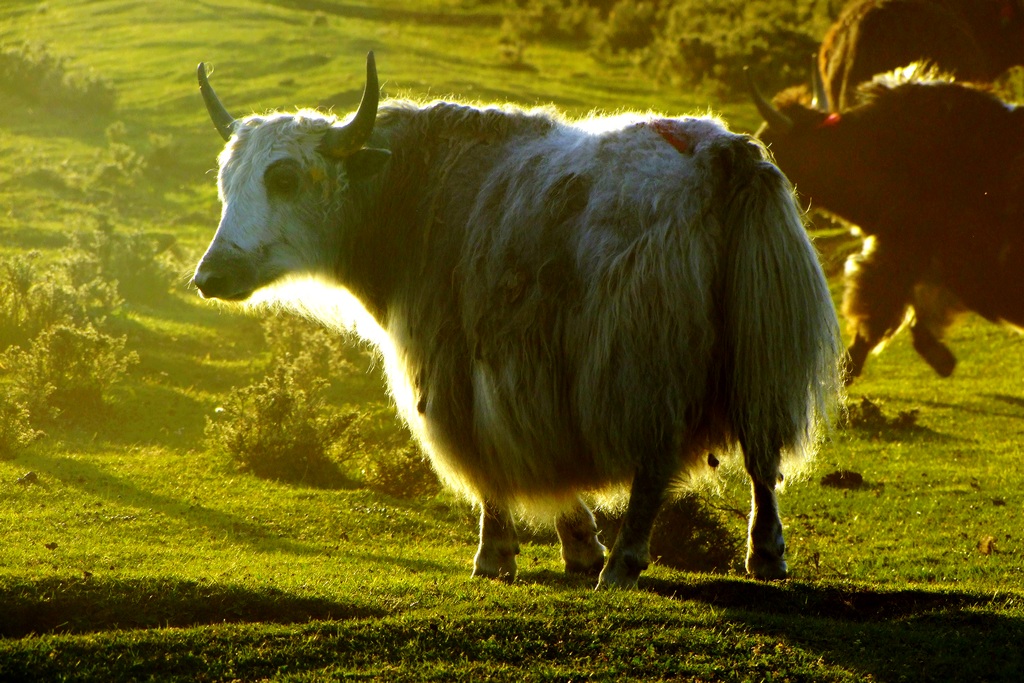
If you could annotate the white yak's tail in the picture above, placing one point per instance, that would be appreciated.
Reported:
(780, 322)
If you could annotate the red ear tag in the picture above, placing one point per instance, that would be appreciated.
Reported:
(830, 120)
(666, 129)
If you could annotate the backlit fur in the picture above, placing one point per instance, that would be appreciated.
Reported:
(560, 304)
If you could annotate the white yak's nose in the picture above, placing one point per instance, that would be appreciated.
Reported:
(225, 274)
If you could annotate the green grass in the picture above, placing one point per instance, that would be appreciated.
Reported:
(135, 553)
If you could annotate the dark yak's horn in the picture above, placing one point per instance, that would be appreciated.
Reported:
(820, 101)
(342, 141)
(775, 119)
(224, 121)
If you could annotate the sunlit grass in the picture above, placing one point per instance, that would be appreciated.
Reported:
(135, 551)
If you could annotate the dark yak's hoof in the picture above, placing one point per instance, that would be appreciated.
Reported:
(937, 355)
(856, 356)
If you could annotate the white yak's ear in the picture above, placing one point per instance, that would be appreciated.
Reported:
(366, 163)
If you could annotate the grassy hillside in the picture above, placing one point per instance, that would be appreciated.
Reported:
(134, 547)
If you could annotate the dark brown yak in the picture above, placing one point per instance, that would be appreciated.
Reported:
(932, 172)
(974, 40)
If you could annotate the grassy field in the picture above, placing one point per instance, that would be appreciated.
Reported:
(131, 549)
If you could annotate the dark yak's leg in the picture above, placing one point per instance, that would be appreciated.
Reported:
(577, 530)
(879, 287)
(935, 353)
(935, 308)
(856, 356)
(631, 553)
(499, 544)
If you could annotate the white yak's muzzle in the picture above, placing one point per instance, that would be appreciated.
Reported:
(227, 274)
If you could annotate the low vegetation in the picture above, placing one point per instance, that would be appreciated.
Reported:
(685, 43)
(195, 492)
(32, 73)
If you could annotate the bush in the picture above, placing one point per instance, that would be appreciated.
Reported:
(162, 154)
(280, 427)
(401, 472)
(31, 72)
(143, 265)
(630, 26)
(549, 20)
(705, 44)
(68, 370)
(83, 285)
(388, 459)
(690, 43)
(34, 298)
(283, 428)
(15, 428)
(324, 352)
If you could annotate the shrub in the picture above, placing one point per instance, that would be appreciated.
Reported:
(324, 352)
(382, 454)
(630, 26)
(162, 154)
(15, 428)
(34, 297)
(388, 459)
(283, 428)
(29, 71)
(68, 370)
(280, 427)
(709, 44)
(119, 165)
(17, 276)
(549, 20)
(143, 265)
(400, 472)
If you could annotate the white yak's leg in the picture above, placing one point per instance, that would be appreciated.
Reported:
(631, 553)
(499, 544)
(577, 530)
(766, 546)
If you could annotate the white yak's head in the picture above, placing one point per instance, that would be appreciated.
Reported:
(279, 175)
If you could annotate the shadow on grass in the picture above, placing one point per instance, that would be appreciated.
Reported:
(1015, 401)
(86, 476)
(728, 629)
(899, 634)
(93, 605)
(687, 535)
(991, 409)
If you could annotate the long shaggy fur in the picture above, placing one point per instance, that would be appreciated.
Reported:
(564, 303)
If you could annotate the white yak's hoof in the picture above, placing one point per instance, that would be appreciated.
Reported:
(583, 557)
(495, 563)
(622, 571)
(766, 566)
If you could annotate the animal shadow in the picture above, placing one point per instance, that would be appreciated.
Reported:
(92, 605)
(877, 633)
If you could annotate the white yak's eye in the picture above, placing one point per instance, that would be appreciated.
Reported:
(282, 178)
